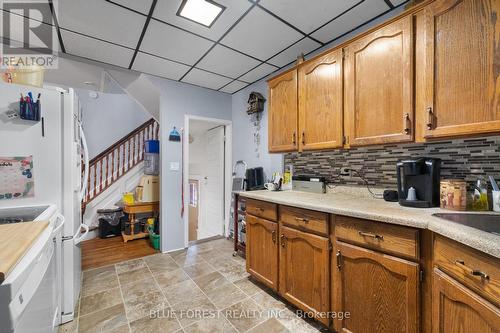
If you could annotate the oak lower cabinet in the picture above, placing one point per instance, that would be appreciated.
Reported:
(379, 292)
(304, 273)
(321, 102)
(456, 308)
(262, 250)
(379, 86)
(283, 113)
(457, 61)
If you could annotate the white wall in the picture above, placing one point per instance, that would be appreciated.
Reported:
(243, 137)
(177, 100)
(108, 118)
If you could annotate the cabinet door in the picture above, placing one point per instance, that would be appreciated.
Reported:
(379, 86)
(283, 113)
(456, 308)
(321, 103)
(304, 271)
(462, 57)
(262, 250)
(380, 292)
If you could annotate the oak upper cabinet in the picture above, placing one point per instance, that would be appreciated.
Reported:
(321, 102)
(460, 90)
(304, 271)
(456, 308)
(283, 114)
(262, 250)
(381, 292)
(379, 86)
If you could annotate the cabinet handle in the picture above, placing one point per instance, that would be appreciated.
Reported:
(303, 138)
(294, 138)
(367, 234)
(273, 236)
(461, 264)
(407, 123)
(430, 118)
(302, 219)
(283, 238)
(339, 260)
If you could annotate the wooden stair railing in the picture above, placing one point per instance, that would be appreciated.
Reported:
(114, 162)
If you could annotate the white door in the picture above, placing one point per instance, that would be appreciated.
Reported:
(213, 191)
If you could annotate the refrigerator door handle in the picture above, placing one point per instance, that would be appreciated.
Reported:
(61, 220)
(85, 180)
(78, 239)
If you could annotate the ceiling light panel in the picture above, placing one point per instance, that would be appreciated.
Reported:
(101, 19)
(307, 15)
(157, 66)
(174, 44)
(204, 12)
(166, 10)
(287, 56)
(350, 20)
(205, 79)
(96, 50)
(261, 35)
(224, 61)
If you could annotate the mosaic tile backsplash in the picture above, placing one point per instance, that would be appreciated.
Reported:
(461, 158)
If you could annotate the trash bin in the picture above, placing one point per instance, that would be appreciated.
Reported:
(110, 222)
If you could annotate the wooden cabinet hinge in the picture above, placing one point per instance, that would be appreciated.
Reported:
(330, 245)
(421, 275)
(345, 140)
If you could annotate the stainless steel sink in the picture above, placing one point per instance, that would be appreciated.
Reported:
(485, 222)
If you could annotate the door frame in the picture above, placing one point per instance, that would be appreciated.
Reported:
(228, 161)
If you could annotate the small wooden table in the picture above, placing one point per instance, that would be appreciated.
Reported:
(138, 208)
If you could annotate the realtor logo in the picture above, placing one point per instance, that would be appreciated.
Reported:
(29, 36)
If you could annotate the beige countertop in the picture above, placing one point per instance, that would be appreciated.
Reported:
(357, 202)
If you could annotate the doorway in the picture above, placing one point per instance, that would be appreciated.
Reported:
(207, 178)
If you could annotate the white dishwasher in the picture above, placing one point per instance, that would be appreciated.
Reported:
(30, 295)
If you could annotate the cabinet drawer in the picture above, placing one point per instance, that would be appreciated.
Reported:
(303, 219)
(266, 210)
(476, 270)
(384, 237)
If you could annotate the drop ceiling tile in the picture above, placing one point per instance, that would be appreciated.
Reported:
(258, 73)
(398, 2)
(350, 20)
(101, 19)
(142, 6)
(172, 43)
(234, 87)
(166, 10)
(96, 50)
(307, 15)
(261, 35)
(205, 79)
(224, 61)
(42, 15)
(287, 56)
(157, 66)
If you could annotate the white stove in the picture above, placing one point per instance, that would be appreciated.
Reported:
(30, 296)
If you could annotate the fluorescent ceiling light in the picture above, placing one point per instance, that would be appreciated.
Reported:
(204, 12)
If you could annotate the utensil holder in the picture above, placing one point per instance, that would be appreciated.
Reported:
(496, 201)
(30, 110)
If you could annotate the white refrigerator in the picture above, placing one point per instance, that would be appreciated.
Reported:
(57, 145)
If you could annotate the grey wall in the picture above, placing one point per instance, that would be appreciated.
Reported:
(108, 118)
(177, 100)
(243, 133)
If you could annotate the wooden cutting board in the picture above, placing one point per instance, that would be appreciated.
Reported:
(15, 240)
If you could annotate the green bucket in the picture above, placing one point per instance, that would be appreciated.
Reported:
(155, 240)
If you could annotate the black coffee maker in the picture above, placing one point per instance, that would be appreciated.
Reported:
(418, 182)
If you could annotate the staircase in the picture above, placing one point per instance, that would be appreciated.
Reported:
(116, 161)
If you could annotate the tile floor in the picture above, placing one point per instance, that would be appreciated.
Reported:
(201, 289)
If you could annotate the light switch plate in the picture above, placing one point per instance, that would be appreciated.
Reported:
(174, 166)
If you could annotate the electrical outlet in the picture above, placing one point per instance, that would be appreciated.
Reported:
(344, 171)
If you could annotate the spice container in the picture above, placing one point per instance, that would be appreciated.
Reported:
(453, 194)
(480, 197)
